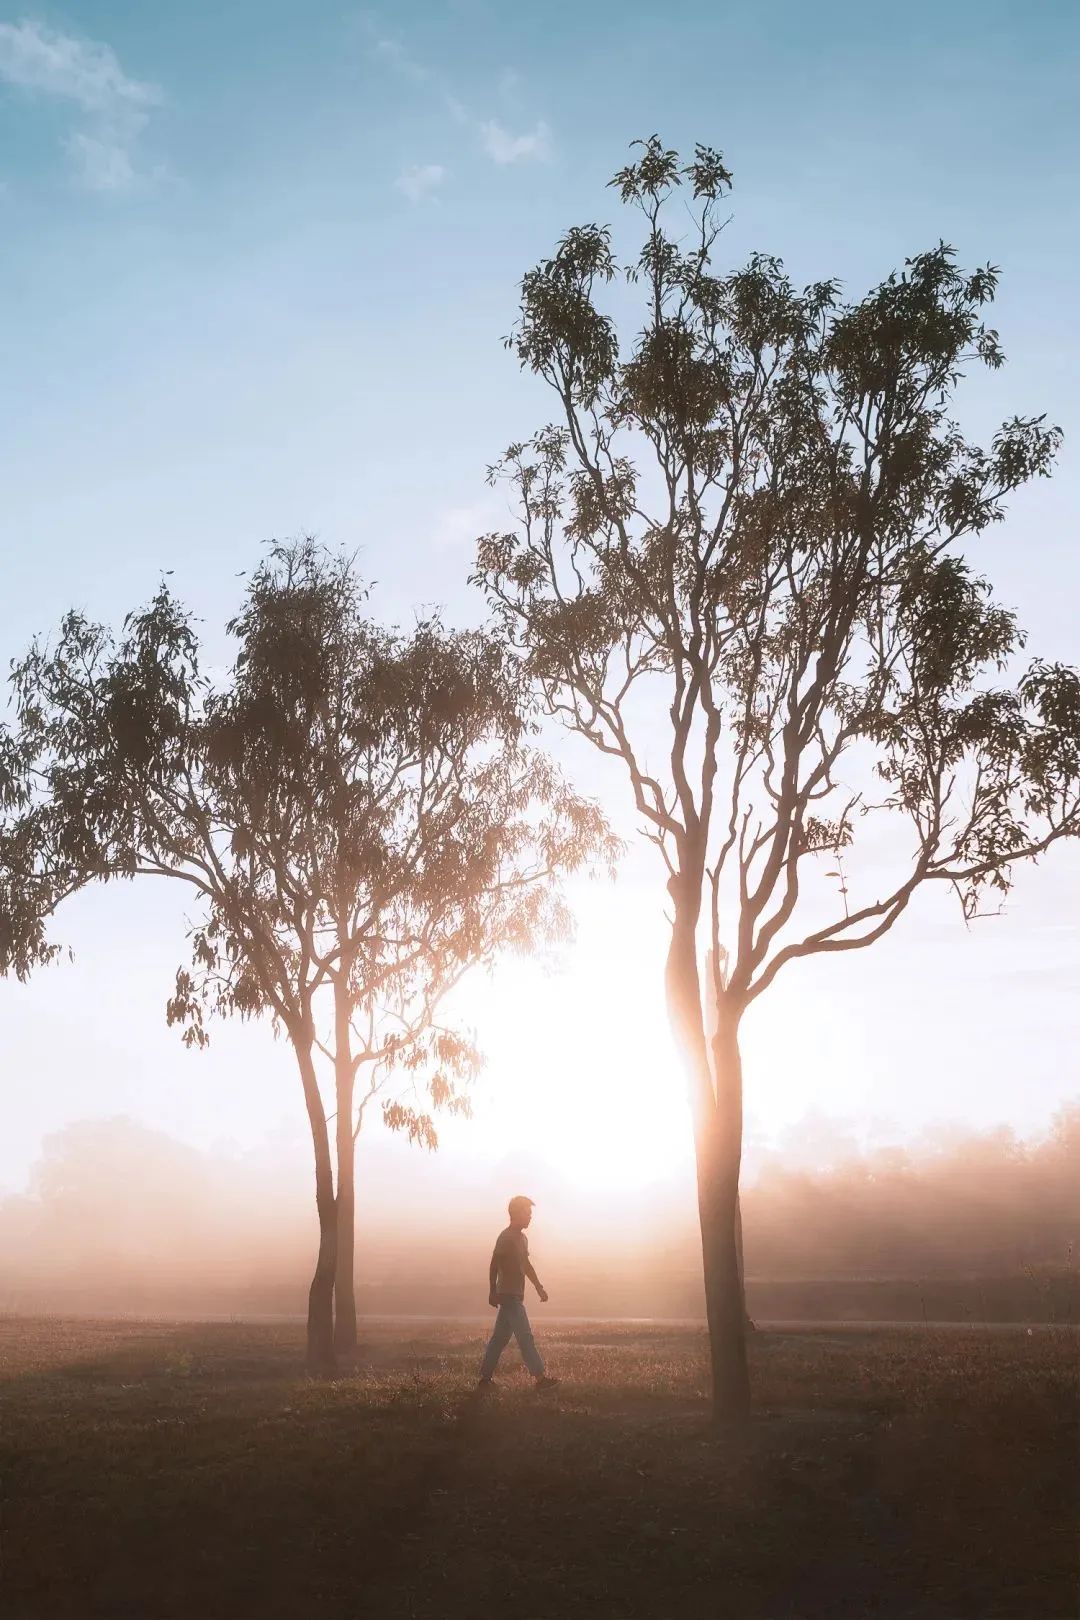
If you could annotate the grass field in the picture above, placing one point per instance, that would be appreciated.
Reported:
(193, 1472)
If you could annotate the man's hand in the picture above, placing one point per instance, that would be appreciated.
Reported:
(543, 1296)
(493, 1299)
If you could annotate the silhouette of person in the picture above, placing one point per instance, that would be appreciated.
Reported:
(510, 1265)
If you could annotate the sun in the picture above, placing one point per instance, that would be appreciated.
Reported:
(581, 1072)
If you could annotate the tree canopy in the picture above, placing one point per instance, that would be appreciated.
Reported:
(760, 503)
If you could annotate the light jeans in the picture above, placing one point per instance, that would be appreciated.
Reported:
(512, 1322)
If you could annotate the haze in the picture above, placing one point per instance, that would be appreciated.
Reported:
(119, 1218)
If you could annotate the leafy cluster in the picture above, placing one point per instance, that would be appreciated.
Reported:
(33, 876)
(748, 520)
(357, 809)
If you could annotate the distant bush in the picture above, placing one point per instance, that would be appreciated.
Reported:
(986, 1204)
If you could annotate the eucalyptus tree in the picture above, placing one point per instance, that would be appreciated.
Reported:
(360, 818)
(736, 571)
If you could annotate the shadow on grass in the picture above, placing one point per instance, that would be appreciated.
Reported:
(158, 1470)
(197, 1471)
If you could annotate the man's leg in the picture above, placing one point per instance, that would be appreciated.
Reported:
(523, 1333)
(501, 1335)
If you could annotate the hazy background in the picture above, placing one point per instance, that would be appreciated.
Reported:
(258, 260)
(121, 1218)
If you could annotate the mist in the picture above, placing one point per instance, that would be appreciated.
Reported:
(122, 1219)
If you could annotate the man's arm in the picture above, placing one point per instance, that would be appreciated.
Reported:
(493, 1278)
(537, 1284)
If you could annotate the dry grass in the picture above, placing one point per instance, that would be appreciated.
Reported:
(172, 1472)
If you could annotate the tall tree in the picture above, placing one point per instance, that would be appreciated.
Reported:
(736, 572)
(362, 820)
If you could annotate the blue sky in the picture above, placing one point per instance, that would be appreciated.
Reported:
(257, 262)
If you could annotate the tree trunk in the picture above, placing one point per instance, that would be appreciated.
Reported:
(731, 1377)
(712, 1025)
(716, 1105)
(741, 1262)
(320, 1322)
(344, 1278)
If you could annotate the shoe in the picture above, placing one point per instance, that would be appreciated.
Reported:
(546, 1382)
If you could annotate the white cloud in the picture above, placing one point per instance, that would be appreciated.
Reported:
(390, 50)
(457, 110)
(385, 48)
(101, 165)
(40, 61)
(420, 180)
(502, 147)
(498, 142)
(35, 58)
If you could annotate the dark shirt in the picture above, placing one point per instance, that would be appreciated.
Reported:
(510, 1265)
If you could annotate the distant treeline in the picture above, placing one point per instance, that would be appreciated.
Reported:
(121, 1219)
(986, 1205)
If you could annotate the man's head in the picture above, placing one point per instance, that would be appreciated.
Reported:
(520, 1212)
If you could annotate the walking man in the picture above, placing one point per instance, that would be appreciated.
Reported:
(510, 1265)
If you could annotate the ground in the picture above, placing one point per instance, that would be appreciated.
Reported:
(156, 1471)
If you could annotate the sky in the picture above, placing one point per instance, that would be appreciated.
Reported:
(258, 262)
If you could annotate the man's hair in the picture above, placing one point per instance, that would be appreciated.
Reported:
(519, 1206)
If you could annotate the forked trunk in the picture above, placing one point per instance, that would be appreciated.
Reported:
(320, 1321)
(716, 1104)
